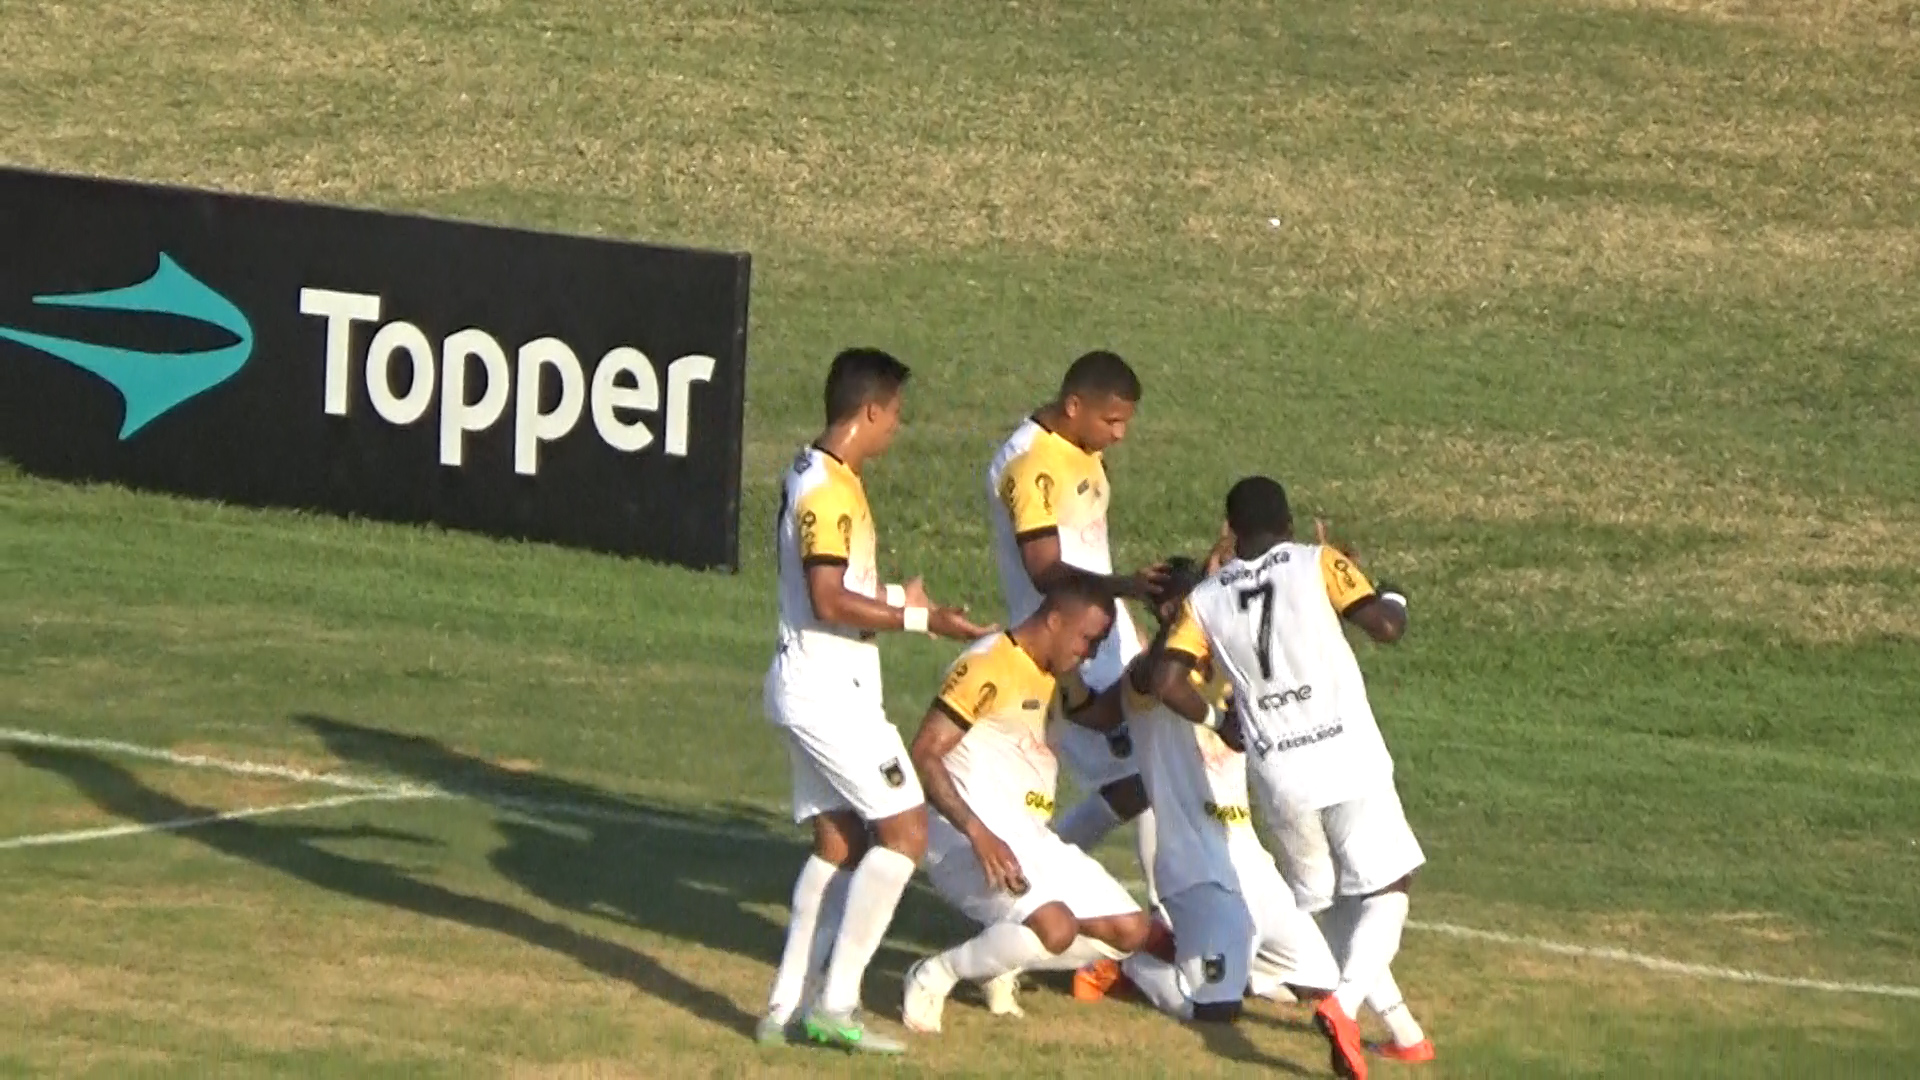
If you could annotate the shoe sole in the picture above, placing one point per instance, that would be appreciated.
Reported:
(1343, 1066)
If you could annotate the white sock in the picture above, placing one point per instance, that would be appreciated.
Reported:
(1087, 822)
(872, 896)
(1375, 941)
(1385, 1000)
(1146, 844)
(1083, 951)
(1160, 982)
(1000, 948)
(805, 943)
(1336, 925)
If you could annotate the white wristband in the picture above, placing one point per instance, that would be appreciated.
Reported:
(896, 596)
(1396, 598)
(914, 620)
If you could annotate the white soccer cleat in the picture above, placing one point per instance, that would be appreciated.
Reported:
(928, 984)
(999, 992)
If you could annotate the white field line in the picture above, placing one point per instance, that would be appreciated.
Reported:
(136, 828)
(384, 790)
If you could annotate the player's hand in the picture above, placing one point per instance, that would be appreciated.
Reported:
(1232, 733)
(1322, 537)
(916, 591)
(1222, 550)
(952, 622)
(1148, 582)
(1002, 867)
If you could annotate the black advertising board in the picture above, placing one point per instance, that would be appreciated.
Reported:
(571, 389)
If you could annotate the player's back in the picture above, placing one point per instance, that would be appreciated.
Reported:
(1273, 625)
(1197, 785)
(824, 519)
(1038, 482)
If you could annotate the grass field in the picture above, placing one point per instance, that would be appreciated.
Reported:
(1594, 323)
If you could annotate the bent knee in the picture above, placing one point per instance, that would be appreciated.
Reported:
(905, 833)
(1055, 926)
(1124, 933)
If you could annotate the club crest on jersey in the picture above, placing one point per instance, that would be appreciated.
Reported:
(985, 698)
(1213, 968)
(893, 774)
(1085, 486)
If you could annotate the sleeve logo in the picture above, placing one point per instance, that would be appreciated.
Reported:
(845, 525)
(1044, 484)
(809, 535)
(983, 701)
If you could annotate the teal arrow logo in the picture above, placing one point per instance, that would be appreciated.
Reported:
(151, 382)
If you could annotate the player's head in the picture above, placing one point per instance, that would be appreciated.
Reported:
(863, 390)
(1257, 513)
(1182, 575)
(1075, 613)
(1097, 400)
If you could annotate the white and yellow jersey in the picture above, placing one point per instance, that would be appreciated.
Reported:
(1002, 766)
(1197, 785)
(1040, 483)
(1271, 625)
(824, 520)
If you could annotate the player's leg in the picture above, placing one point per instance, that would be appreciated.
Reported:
(1213, 939)
(1001, 947)
(867, 764)
(1410, 1043)
(1293, 961)
(1306, 856)
(840, 839)
(1377, 854)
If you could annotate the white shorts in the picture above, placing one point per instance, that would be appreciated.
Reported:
(1354, 848)
(845, 756)
(1056, 872)
(1285, 935)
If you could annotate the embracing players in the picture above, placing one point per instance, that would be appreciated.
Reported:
(1271, 621)
(851, 771)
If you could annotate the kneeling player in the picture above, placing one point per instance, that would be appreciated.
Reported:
(1219, 886)
(982, 758)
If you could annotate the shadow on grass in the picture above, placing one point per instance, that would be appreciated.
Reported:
(694, 875)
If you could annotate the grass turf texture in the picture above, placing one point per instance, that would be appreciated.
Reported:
(1593, 324)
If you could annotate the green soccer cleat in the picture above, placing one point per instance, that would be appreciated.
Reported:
(848, 1033)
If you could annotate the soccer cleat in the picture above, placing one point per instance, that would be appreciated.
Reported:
(1348, 1057)
(1093, 981)
(999, 992)
(772, 1031)
(928, 984)
(1416, 1054)
(848, 1033)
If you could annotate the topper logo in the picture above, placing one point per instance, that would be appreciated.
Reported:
(624, 389)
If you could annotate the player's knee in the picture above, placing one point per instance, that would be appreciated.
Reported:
(1216, 1012)
(840, 838)
(1055, 926)
(905, 833)
(1127, 798)
(1124, 933)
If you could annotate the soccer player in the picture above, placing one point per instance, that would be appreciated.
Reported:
(1048, 496)
(1219, 886)
(982, 756)
(850, 767)
(1271, 621)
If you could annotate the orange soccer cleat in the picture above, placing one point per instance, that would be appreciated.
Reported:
(1096, 980)
(1349, 1058)
(1414, 1054)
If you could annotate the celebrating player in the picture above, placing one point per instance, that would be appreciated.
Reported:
(850, 767)
(1219, 886)
(1271, 620)
(1048, 494)
(982, 756)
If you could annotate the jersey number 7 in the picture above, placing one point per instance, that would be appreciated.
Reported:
(1263, 641)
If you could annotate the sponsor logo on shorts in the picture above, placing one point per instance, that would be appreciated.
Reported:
(1213, 968)
(893, 774)
(1121, 743)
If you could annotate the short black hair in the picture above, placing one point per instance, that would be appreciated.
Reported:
(862, 377)
(1184, 573)
(1075, 590)
(1257, 506)
(1100, 374)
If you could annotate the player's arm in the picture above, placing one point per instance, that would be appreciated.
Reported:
(1096, 712)
(941, 729)
(1028, 491)
(1379, 611)
(1177, 650)
(824, 554)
